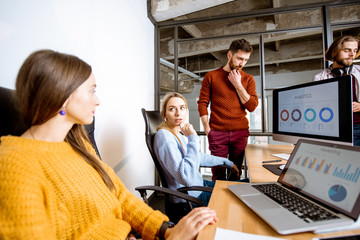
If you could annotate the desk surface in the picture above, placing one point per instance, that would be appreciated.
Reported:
(257, 153)
(235, 215)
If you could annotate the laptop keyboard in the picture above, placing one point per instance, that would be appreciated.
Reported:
(301, 207)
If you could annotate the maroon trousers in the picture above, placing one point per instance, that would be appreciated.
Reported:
(228, 144)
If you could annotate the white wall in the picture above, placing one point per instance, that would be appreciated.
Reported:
(117, 39)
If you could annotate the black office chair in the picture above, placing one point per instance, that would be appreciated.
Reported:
(12, 123)
(175, 211)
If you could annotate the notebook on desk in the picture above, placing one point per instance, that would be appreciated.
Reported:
(319, 188)
(284, 156)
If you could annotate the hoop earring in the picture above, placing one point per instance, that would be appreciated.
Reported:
(62, 112)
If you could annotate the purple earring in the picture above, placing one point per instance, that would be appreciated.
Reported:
(62, 112)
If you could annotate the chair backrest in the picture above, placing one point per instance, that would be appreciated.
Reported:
(174, 210)
(152, 120)
(12, 123)
(90, 130)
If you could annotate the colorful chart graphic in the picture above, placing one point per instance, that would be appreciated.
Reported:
(311, 163)
(346, 174)
(329, 112)
(326, 114)
(337, 193)
(324, 166)
(312, 110)
(284, 115)
(296, 115)
(310, 114)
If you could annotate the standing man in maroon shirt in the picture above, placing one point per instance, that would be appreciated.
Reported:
(229, 91)
(342, 52)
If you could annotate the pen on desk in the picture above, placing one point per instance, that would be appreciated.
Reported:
(270, 161)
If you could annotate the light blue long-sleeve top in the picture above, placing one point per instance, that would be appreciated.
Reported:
(181, 163)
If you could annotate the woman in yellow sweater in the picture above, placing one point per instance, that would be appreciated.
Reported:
(52, 184)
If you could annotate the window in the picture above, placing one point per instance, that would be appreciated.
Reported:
(288, 44)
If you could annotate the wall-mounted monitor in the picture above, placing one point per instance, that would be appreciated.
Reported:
(319, 110)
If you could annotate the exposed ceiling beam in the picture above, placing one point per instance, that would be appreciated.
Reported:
(196, 33)
(271, 62)
(162, 10)
(183, 70)
(215, 45)
(192, 29)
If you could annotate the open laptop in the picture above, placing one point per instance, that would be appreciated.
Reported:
(326, 174)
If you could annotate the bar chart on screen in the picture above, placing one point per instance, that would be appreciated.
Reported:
(347, 173)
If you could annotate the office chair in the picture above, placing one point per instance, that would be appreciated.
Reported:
(11, 122)
(175, 211)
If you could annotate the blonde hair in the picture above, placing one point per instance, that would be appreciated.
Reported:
(163, 108)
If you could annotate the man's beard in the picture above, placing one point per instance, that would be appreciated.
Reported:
(344, 62)
(232, 65)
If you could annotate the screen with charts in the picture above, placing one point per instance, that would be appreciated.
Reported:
(306, 110)
(316, 110)
(331, 174)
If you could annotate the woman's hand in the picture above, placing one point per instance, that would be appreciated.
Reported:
(131, 237)
(187, 129)
(189, 226)
(236, 169)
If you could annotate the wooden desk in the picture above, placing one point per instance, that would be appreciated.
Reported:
(257, 153)
(235, 215)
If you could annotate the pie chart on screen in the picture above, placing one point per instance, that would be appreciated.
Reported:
(337, 193)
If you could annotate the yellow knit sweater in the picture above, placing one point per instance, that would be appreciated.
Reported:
(47, 191)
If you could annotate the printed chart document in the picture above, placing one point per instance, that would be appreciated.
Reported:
(221, 234)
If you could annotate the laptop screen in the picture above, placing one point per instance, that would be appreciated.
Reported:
(329, 173)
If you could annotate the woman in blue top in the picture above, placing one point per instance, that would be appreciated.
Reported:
(176, 145)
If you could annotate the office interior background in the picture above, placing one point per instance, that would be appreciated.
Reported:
(139, 50)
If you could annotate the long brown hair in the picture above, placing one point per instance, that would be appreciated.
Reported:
(44, 82)
(164, 103)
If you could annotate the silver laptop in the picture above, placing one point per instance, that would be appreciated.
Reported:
(319, 188)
